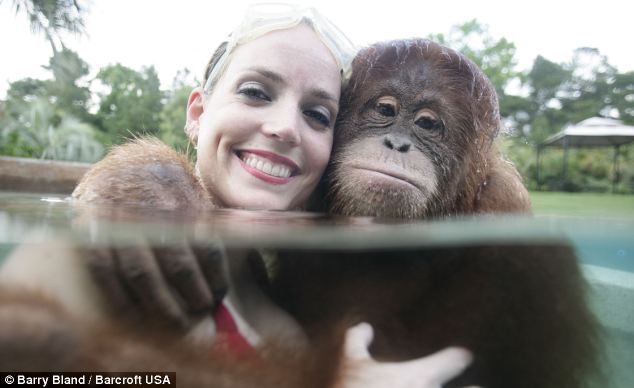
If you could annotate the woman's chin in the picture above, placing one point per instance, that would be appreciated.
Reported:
(261, 202)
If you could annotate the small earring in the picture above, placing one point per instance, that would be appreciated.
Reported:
(190, 126)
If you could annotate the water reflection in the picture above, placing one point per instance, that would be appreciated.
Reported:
(606, 241)
(605, 249)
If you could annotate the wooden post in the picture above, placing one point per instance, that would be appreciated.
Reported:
(564, 173)
(539, 151)
(615, 168)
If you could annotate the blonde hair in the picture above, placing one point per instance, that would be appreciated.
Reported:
(260, 19)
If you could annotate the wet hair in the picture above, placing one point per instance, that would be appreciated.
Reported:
(341, 48)
(222, 49)
(213, 61)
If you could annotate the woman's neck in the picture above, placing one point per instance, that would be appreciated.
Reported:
(248, 299)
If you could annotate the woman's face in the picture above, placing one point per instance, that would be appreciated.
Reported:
(264, 134)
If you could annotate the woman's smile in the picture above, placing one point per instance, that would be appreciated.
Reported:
(268, 166)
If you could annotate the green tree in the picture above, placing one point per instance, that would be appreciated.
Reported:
(21, 92)
(172, 117)
(546, 83)
(622, 96)
(68, 88)
(39, 130)
(53, 17)
(496, 57)
(546, 80)
(38, 114)
(131, 103)
(588, 92)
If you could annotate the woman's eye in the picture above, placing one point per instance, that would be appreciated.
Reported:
(321, 118)
(255, 93)
(386, 110)
(427, 122)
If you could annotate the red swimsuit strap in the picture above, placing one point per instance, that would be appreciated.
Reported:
(227, 332)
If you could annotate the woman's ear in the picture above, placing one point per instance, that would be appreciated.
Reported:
(195, 108)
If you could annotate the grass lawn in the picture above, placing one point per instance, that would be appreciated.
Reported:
(583, 204)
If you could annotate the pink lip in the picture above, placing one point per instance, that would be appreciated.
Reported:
(275, 158)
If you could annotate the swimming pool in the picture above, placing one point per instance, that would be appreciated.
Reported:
(605, 246)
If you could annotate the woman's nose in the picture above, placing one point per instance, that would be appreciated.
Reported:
(284, 125)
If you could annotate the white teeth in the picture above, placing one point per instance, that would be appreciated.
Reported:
(267, 168)
(278, 170)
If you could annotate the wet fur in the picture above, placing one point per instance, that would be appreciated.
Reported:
(144, 172)
(521, 309)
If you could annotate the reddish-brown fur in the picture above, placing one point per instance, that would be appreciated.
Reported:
(521, 309)
(144, 172)
(421, 75)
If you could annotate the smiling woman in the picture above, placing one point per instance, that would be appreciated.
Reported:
(264, 133)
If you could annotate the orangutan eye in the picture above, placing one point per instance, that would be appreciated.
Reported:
(427, 119)
(387, 106)
(427, 123)
(386, 110)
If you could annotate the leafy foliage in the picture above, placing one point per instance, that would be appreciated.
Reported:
(50, 118)
(41, 131)
(495, 57)
(172, 117)
(52, 17)
(131, 102)
(621, 96)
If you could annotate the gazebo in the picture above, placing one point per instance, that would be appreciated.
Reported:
(592, 132)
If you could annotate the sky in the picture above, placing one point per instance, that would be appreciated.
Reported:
(174, 34)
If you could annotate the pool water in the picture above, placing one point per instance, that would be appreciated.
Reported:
(605, 246)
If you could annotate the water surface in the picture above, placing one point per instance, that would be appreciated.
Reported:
(605, 246)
